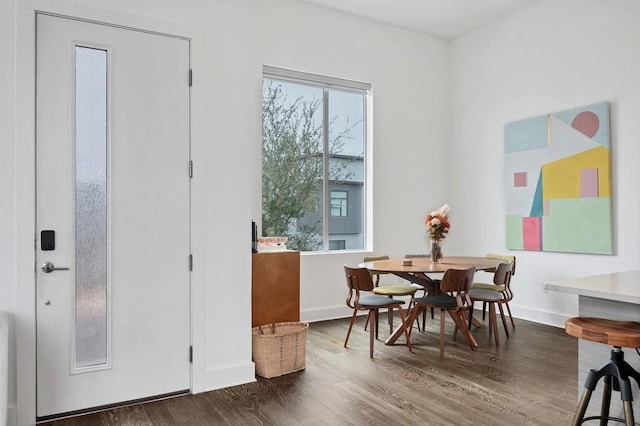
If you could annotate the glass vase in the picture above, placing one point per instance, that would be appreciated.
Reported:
(435, 252)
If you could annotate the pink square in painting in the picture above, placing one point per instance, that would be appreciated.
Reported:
(532, 233)
(589, 183)
(520, 179)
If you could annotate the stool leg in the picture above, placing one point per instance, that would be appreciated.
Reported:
(606, 401)
(582, 407)
(628, 414)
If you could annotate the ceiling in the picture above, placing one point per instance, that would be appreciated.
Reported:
(441, 18)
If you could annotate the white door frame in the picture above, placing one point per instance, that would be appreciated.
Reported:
(25, 412)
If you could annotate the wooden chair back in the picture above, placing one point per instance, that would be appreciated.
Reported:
(358, 279)
(458, 282)
(510, 259)
(503, 273)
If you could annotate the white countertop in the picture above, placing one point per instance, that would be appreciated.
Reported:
(620, 286)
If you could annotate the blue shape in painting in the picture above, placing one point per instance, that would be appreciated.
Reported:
(524, 135)
(536, 205)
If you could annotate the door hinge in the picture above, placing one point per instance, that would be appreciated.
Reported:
(190, 77)
(191, 262)
(190, 168)
(190, 353)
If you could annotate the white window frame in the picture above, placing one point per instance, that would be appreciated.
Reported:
(328, 83)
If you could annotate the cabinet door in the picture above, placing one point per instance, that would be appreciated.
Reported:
(275, 295)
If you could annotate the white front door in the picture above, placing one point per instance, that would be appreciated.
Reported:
(112, 144)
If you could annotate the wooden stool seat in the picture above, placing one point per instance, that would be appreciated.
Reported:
(610, 332)
(616, 374)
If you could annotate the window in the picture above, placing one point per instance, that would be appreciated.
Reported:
(337, 244)
(338, 203)
(313, 160)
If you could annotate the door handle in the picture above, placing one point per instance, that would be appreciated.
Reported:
(48, 267)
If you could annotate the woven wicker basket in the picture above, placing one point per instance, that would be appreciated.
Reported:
(279, 348)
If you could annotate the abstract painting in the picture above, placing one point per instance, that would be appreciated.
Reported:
(558, 182)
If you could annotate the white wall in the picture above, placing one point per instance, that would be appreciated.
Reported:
(409, 76)
(552, 56)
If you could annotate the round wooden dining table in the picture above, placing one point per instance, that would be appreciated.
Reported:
(419, 270)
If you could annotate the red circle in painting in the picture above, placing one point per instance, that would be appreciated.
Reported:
(586, 122)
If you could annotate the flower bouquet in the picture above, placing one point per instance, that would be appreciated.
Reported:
(437, 224)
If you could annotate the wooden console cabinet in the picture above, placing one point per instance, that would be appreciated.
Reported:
(275, 287)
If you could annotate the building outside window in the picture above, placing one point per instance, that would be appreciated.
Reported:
(313, 160)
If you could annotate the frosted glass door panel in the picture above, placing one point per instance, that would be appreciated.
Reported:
(91, 313)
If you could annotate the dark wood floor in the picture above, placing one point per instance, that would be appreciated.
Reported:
(531, 379)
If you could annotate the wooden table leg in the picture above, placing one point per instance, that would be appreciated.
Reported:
(408, 324)
(461, 323)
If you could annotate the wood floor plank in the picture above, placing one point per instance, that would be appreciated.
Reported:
(530, 379)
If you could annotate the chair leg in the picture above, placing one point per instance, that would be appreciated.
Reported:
(373, 333)
(513, 324)
(493, 323)
(459, 320)
(484, 310)
(424, 319)
(441, 333)
(470, 314)
(366, 324)
(353, 319)
(376, 315)
(504, 321)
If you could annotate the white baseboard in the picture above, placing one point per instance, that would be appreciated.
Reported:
(542, 317)
(229, 376)
(324, 314)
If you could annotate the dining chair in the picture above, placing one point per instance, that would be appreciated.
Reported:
(453, 299)
(499, 288)
(391, 290)
(361, 298)
(501, 279)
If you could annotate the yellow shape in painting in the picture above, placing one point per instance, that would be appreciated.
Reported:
(561, 178)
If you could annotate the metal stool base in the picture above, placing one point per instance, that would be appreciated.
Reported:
(615, 374)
